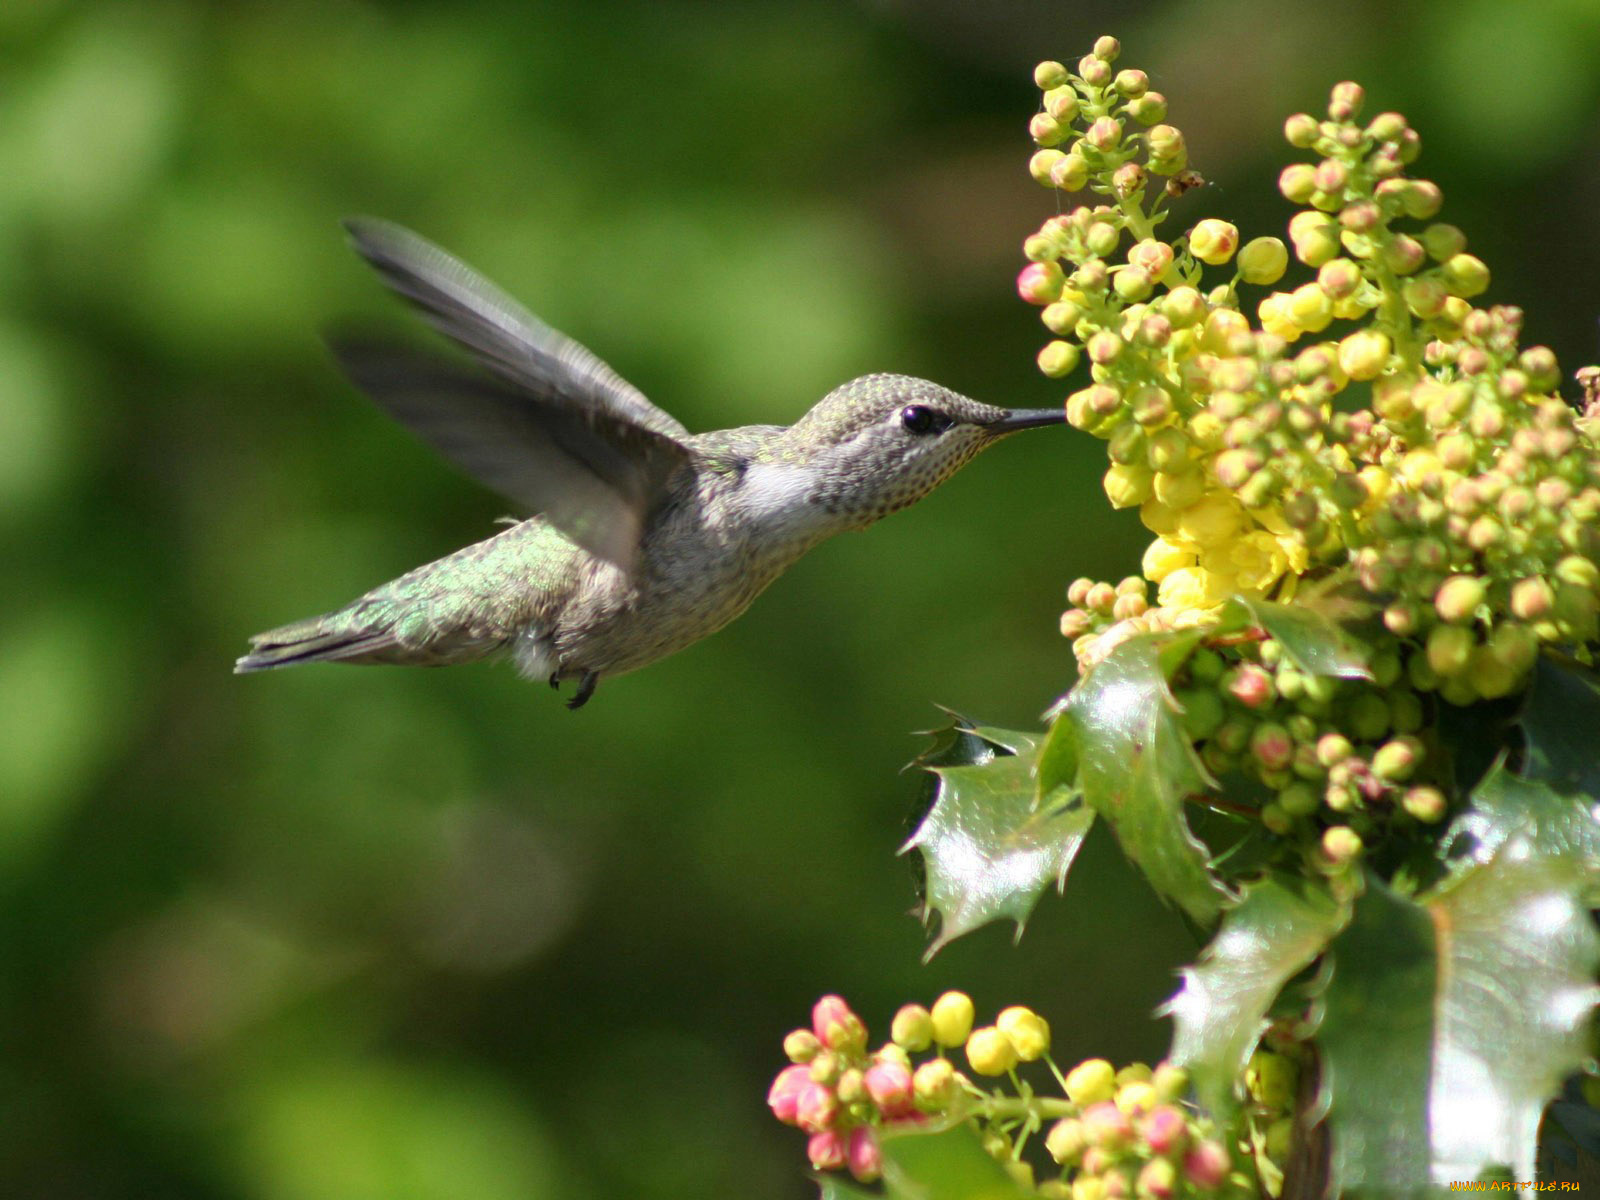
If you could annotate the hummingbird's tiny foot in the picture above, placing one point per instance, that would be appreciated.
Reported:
(586, 687)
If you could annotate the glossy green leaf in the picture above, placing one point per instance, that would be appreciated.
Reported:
(989, 851)
(945, 1164)
(1506, 807)
(1136, 766)
(1452, 1019)
(1560, 723)
(1279, 927)
(1377, 1046)
(838, 1187)
(1313, 642)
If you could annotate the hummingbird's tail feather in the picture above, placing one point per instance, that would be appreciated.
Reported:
(313, 641)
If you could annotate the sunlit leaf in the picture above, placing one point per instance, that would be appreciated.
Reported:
(988, 850)
(1278, 927)
(1506, 807)
(1313, 642)
(946, 1164)
(1560, 722)
(1136, 765)
(1452, 1019)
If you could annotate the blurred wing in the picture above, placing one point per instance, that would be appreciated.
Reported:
(510, 340)
(593, 475)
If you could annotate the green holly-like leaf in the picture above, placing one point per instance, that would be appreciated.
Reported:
(1506, 807)
(1562, 716)
(942, 1164)
(1136, 766)
(1279, 926)
(1452, 1018)
(989, 850)
(1313, 642)
(835, 1187)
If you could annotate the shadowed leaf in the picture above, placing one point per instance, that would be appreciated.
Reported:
(1562, 716)
(1136, 765)
(1278, 927)
(1507, 807)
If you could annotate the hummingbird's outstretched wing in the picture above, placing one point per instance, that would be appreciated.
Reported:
(594, 475)
(506, 337)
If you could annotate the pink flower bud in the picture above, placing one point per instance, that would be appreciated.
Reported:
(1206, 1166)
(1165, 1129)
(889, 1085)
(1251, 686)
(815, 1107)
(836, 1026)
(862, 1156)
(785, 1093)
(827, 1150)
(1039, 283)
(1105, 1125)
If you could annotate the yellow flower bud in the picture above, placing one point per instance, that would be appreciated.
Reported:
(1311, 307)
(1091, 1081)
(1163, 557)
(1263, 260)
(1128, 485)
(990, 1052)
(1364, 354)
(1213, 241)
(1213, 520)
(1276, 318)
(952, 1018)
(1027, 1031)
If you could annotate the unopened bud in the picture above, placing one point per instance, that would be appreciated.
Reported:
(837, 1027)
(912, 1027)
(990, 1052)
(1027, 1030)
(1206, 1165)
(952, 1018)
(1049, 75)
(801, 1046)
(1213, 241)
(1091, 1081)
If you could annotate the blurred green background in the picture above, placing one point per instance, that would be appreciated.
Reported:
(341, 934)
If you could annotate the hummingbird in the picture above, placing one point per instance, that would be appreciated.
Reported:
(646, 537)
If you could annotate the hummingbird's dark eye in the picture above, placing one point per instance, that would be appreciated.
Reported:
(919, 418)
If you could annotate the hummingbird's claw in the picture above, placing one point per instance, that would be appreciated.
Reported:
(586, 687)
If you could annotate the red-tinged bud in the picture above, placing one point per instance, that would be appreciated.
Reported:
(837, 1027)
(862, 1155)
(1330, 176)
(1065, 1141)
(1047, 131)
(1271, 746)
(1040, 283)
(1206, 1165)
(1425, 297)
(1333, 749)
(1165, 141)
(1105, 347)
(889, 1085)
(1213, 241)
(1344, 102)
(934, 1085)
(1532, 599)
(1069, 173)
(1426, 804)
(1106, 1126)
(1131, 83)
(1062, 103)
(1041, 164)
(1104, 134)
(815, 1107)
(1148, 108)
(1394, 762)
(1539, 362)
(1387, 127)
(1361, 217)
(1301, 131)
(1404, 255)
(1158, 1180)
(1340, 846)
(1107, 48)
(1165, 1129)
(827, 1150)
(1423, 199)
(1339, 277)
(784, 1096)
(1251, 686)
(1132, 283)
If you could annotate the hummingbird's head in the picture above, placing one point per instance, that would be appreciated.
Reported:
(881, 442)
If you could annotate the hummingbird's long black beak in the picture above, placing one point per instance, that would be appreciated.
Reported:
(1027, 418)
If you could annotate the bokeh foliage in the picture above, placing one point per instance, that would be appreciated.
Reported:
(347, 933)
